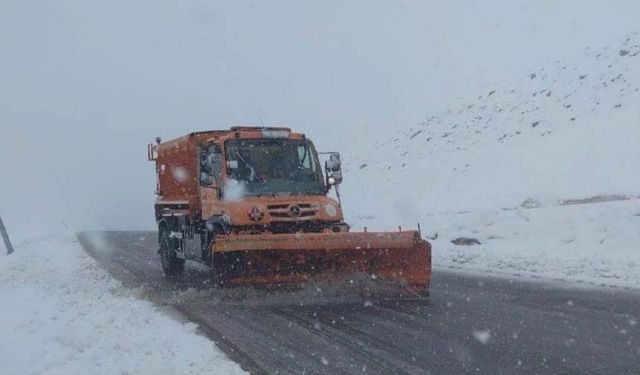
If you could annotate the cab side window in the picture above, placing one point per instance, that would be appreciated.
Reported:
(211, 166)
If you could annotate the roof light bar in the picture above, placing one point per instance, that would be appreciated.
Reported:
(275, 133)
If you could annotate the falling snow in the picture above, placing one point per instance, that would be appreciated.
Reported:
(483, 336)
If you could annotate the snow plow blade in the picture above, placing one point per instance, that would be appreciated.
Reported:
(402, 259)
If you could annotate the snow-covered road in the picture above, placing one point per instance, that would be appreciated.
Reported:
(473, 324)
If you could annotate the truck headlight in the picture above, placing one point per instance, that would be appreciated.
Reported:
(330, 210)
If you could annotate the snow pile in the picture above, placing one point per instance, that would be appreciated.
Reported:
(586, 244)
(62, 314)
(499, 167)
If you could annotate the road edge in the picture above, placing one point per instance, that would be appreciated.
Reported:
(233, 352)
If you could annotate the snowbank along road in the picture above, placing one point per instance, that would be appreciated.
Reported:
(62, 313)
(472, 324)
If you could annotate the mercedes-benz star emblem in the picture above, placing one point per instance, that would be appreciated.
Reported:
(295, 211)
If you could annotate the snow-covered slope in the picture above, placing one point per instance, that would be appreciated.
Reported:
(512, 155)
(62, 314)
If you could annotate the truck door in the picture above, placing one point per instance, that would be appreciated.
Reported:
(211, 161)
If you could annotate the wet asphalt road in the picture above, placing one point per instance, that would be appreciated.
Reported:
(471, 325)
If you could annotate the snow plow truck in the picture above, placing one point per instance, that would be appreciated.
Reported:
(254, 205)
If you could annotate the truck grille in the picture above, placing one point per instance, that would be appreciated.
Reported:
(293, 211)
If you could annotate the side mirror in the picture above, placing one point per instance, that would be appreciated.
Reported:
(152, 152)
(206, 179)
(334, 164)
(210, 166)
(333, 168)
(209, 163)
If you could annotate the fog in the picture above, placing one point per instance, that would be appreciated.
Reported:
(85, 85)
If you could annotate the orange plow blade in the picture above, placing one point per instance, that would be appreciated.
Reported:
(401, 258)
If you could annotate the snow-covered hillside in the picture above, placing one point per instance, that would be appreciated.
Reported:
(499, 167)
(61, 313)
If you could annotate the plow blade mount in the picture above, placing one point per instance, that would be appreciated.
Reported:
(401, 258)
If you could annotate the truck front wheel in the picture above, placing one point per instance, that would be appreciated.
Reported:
(171, 264)
(215, 273)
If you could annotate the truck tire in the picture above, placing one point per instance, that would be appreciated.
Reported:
(216, 266)
(216, 271)
(215, 275)
(425, 297)
(171, 264)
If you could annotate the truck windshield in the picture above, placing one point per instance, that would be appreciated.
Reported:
(275, 166)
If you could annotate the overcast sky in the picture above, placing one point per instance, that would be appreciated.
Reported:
(84, 85)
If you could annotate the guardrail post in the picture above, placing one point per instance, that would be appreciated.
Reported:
(5, 237)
